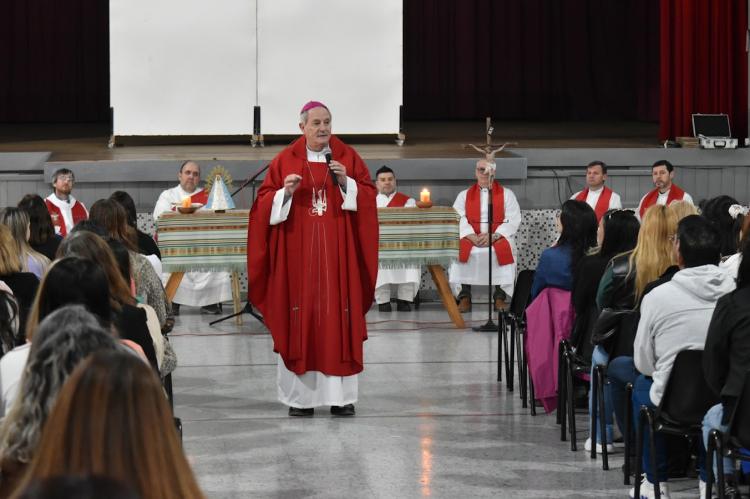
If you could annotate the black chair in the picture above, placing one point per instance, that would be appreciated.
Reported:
(515, 319)
(729, 444)
(685, 401)
(571, 366)
(628, 436)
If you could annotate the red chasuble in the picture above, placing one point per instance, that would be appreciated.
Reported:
(675, 194)
(398, 201)
(77, 210)
(313, 277)
(473, 211)
(602, 204)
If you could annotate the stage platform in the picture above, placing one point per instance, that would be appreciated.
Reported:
(544, 168)
(89, 142)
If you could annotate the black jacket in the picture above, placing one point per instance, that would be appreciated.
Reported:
(726, 358)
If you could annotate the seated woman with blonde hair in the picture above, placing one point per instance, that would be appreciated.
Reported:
(114, 405)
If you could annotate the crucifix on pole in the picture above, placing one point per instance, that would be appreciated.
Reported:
(489, 150)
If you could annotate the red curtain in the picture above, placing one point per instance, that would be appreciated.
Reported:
(703, 63)
(531, 59)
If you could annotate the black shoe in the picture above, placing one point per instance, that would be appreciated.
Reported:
(175, 309)
(214, 309)
(384, 307)
(403, 306)
(301, 413)
(345, 410)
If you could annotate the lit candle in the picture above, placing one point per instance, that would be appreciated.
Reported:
(424, 196)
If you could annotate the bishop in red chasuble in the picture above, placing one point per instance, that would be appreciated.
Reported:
(312, 265)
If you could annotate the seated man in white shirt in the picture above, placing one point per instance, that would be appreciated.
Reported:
(665, 191)
(477, 237)
(407, 279)
(597, 195)
(197, 289)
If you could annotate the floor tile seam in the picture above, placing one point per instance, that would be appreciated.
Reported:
(359, 416)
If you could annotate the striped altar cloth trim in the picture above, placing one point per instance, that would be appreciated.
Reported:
(416, 236)
(203, 241)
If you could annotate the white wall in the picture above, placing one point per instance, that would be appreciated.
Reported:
(188, 67)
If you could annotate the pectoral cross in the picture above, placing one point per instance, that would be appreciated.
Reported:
(489, 149)
(319, 203)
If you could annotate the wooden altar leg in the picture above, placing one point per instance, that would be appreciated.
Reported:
(236, 298)
(441, 282)
(175, 278)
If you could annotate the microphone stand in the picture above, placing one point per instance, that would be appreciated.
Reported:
(247, 308)
(489, 326)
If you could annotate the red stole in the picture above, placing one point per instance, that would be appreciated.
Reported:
(675, 194)
(602, 204)
(77, 210)
(313, 278)
(398, 200)
(473, 211)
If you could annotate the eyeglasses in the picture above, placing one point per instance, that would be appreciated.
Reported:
(66, 178)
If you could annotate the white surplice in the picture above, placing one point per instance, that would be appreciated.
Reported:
(593, 197)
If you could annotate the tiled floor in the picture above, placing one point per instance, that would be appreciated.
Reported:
(431, 420)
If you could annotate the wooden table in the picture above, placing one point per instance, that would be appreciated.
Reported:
(204, 241)
(417, 236)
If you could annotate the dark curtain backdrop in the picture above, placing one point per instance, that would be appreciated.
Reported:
(54, 60)
(704, 66)
(531, 59)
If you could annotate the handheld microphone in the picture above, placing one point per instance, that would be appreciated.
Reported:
(327, 151)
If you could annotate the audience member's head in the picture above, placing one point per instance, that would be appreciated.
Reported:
(653, 251)
(619, 232)
(9, 320)
(71, 280)
(122, 257)
(716, 210)
(578, 227)
(63, 339)
(41, 229)
(697, 243)
(17, 221)
(128, 204)
(115, 406)
(89, 226)
(86, 244)
(78, 487)
(677, 210)
(9, 261)
(111, 216)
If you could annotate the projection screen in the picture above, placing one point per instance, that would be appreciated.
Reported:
(193, 67)
(182, 67)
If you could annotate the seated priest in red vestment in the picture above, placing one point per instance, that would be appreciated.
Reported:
(312, 258)
(197, 289)
(64, 210)
(597, 195)
(406, 280)
(665, 191)
(476, 236)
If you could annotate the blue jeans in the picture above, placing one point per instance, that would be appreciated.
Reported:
(601, 357)
(641, 396)
(620, 372)
(712, 420)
